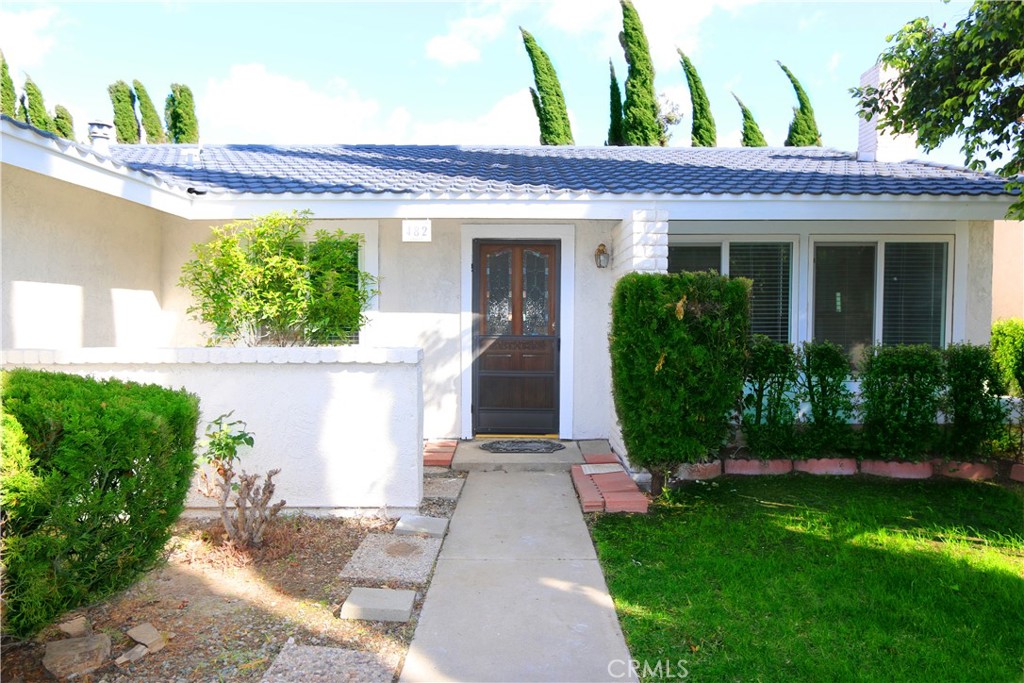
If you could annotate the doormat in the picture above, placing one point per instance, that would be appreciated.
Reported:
(521, 446)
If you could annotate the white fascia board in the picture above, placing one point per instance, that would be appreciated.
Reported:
(616, 207)
(73, 164)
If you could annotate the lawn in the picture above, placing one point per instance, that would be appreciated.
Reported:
(822, 579)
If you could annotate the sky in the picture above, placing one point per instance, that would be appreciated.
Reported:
(450, 72)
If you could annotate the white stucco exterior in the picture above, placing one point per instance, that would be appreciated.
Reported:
(343, 424)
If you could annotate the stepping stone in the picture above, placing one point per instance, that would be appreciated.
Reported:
(308, 664)
(76, 655)
(76, 628)
(146, 634)
(603, 468)
(418, 525)
(386, 557)
(601, 459)
(378, 604)
(448, 489)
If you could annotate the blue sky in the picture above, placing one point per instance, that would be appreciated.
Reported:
(448, 72)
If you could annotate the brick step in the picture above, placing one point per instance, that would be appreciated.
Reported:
(609, 492)
(439, 453)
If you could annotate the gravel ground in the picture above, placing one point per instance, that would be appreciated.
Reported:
(231, 613)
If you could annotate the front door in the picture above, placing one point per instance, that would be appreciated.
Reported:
(515, 337)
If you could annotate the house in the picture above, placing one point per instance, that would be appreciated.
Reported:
(499, 262)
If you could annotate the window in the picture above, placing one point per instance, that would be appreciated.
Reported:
(913, 293)
(768, 264)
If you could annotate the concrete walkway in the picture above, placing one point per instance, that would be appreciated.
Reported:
(517, 594)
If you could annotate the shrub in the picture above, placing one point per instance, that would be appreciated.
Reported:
(258, 282)
(89, 505)
(678, 347)
(1008, 351)
(824, 369)
(972, 403)
(770, 402)
(900, 391)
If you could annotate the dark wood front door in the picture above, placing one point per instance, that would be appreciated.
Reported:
(515, 337)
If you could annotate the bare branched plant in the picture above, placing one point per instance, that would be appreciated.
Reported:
(246, 516)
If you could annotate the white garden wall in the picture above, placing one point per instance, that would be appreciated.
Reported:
(344, 424)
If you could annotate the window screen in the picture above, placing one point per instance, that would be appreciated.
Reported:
(844, 295)
(694, 257)
(914, 293)
(768, 265)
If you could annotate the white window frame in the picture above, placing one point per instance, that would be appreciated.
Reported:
(725, 241)
(879, 242)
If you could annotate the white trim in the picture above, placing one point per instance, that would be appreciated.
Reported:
(566, 235)
(960, 253)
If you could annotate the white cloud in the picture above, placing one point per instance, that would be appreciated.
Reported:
(511, 121)
(253, 105)
(25, 38)
(833, 64)
(467, 35)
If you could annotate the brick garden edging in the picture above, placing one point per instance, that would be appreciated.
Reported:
(974, 471)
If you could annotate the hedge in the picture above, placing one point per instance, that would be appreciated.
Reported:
(1008, 351)
(90, 494)
(678, 347)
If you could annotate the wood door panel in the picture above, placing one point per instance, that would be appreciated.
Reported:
(515, 372)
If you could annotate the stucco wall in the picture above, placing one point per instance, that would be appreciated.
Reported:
(79, 268)
(344, 425)
(1008, 270)
(978, 327)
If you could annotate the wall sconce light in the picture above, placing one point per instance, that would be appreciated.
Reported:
(601, 256)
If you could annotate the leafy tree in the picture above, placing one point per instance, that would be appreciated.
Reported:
(63, 122)
(8, 95)
(961, 82)
(752, 136)
(35, 108)
(548, 100)
(180, 115)
(669, 114)
(615, 127)
(150, 119)
(803, 129)
(640, 110)
(125, 123)
(22, 109)
(702, 133)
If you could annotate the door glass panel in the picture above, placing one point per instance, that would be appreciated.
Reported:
(844, 295)
(536, 297)
(498, 304)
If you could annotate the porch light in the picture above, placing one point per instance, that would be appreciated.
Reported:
(601, 256)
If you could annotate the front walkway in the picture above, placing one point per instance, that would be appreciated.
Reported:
(517, 593)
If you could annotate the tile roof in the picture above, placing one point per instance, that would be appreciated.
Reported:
(469, 170)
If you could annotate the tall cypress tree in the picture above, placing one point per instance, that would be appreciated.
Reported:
(180, 115)
(150, 119)
(8, 95)
(35, 108)
(63, 122)
(22, 109)
(125, 123)
(640, 110)
(703, 133)
(548, 99)
(752, 136)
(803, 129)
(615, 95)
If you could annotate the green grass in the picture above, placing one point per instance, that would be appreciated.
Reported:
(823, 579)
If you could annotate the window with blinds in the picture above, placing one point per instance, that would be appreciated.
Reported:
(914, 293)
(769, 265)
(694, 257)
(844, 295)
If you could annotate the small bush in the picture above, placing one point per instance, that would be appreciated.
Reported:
(89, 505)
(1008, 351)
(770, 402)
(901, 392)
(972, 403)
(678, 348)
(824, 369)
(258, 282)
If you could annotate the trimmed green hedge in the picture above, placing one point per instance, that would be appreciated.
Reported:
(90, 494)
(972, 403)
(678, 348)
(1008, 351)
(770, 401)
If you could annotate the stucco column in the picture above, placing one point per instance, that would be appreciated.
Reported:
(640, 243)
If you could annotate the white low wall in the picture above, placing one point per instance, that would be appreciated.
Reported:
(344, 424)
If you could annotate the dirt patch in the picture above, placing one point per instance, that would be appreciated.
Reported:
(231, 612)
